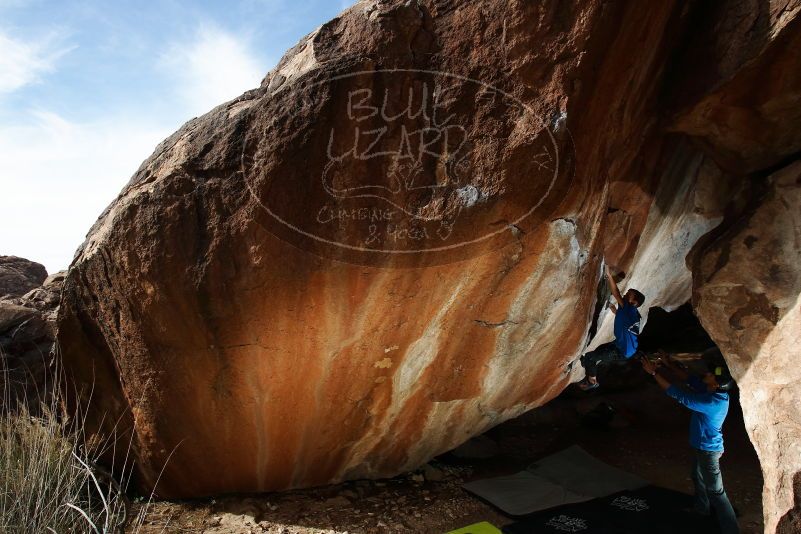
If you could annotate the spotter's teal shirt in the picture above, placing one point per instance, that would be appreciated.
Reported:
(708, 413)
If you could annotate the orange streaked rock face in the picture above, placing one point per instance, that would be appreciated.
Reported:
(390, 246)
(394, 243)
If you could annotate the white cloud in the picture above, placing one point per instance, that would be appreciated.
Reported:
(23, 63)
(57, 176)
(213, 67)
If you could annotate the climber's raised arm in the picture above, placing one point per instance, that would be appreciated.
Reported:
(613, 286)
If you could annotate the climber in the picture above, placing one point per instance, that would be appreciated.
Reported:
(708, 399)
(627, 331)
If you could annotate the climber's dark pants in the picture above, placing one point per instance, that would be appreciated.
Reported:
(606, 353)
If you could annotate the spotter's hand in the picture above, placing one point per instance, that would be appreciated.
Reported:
(667, 360)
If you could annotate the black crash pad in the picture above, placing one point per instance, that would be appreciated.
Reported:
(648, 510)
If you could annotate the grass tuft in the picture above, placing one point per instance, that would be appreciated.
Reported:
(49, 478)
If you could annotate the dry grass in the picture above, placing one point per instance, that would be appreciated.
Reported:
(49, 481)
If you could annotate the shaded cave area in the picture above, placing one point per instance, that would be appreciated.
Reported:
(631, 424)
(628, 423)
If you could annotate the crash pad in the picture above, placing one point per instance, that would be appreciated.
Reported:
(477, 528)
(569, 476)
(648, 510)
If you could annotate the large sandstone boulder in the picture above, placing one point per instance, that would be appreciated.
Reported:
(18, 276)
(747, 288)
(746, 274)
(395, 242)
(313, 282)
(742, 100)
(27, 335)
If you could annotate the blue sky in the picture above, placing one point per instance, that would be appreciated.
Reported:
(88, 88)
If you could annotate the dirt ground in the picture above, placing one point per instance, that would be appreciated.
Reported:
(647, 436)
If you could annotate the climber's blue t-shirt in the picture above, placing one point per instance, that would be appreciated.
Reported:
(627, 329)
